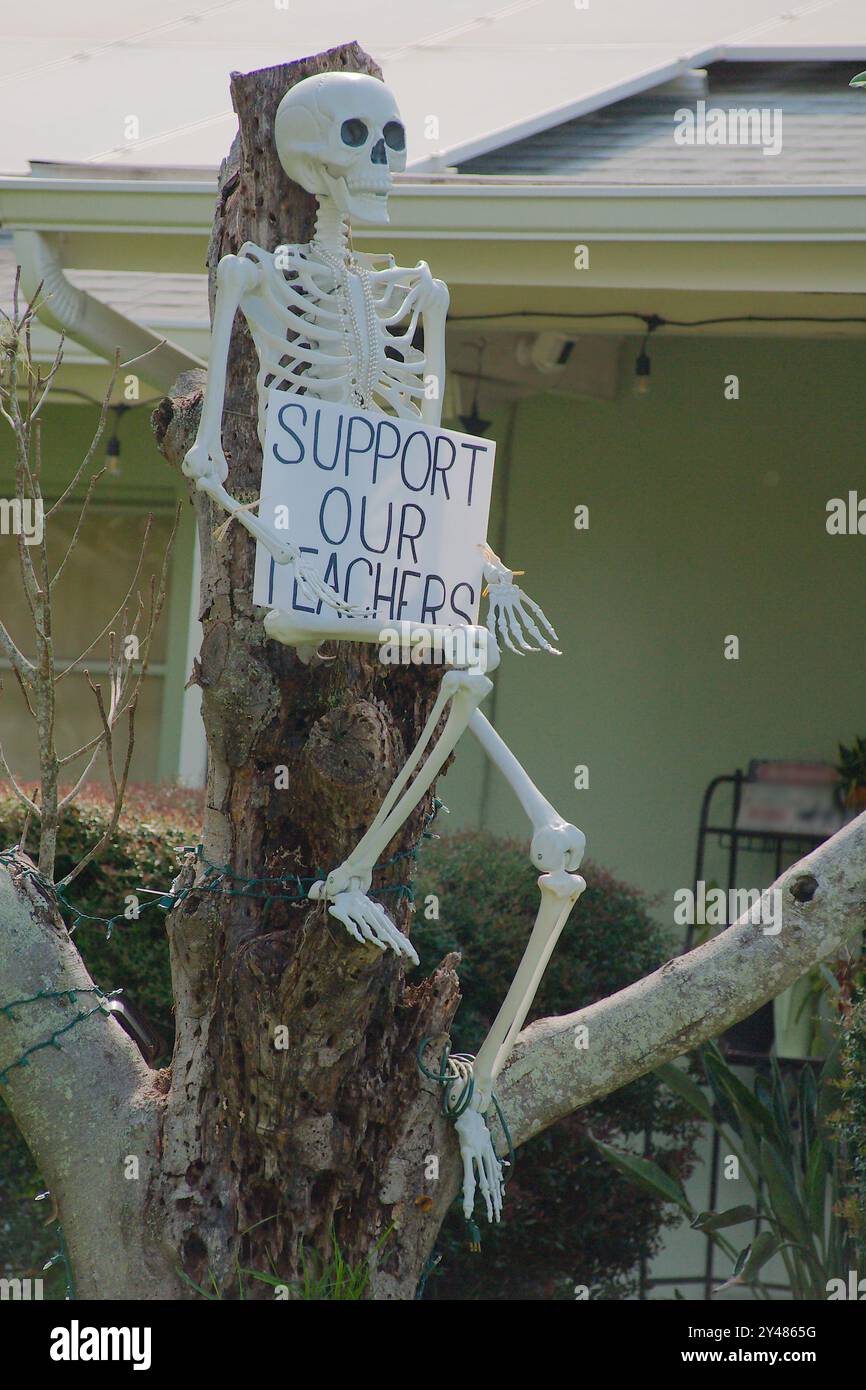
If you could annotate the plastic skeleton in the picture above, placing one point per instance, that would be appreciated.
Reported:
(321, 319)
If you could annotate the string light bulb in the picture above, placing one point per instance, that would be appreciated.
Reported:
(642, 368)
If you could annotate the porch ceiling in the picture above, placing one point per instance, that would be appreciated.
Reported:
(506, 247)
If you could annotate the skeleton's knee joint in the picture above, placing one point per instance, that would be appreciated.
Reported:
(558, 845)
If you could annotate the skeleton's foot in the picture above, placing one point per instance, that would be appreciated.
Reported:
(363, 919)
(481, 1168)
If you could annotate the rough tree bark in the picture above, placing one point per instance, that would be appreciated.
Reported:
(333, 1131)
(302, 1135)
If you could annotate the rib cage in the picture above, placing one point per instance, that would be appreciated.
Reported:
(295, 325)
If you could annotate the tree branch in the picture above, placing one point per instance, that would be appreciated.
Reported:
(690, 999)
(84, 1105)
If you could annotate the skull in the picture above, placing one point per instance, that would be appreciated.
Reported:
(340, 135)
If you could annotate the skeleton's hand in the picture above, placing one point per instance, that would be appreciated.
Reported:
(481, 1168)
(205, 462)
(511, 611)
(363, 919)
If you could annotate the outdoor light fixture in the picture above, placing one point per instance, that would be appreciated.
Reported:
(473, 422)
(546, 352)
(112, 448)
(642, 368)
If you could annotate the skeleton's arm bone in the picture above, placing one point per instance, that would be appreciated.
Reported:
(236, 276)
(281, 627)
(462, 691)
(282, 550)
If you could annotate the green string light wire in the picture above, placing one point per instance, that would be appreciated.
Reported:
(71, 995)
(215, 876)
(62, 1258)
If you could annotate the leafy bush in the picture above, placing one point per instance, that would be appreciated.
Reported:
(568, 1219)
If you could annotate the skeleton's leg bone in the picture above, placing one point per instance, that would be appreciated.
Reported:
(557, 848)
(463, 690)
(559, 893)
(555, 843)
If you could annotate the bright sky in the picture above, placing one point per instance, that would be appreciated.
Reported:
(72, 72)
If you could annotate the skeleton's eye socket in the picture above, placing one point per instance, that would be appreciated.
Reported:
(395, 136)
(354, 132)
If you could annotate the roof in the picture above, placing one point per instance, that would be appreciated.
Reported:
(822, 134)
(488, 73)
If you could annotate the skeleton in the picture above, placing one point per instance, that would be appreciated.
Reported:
(340, 327)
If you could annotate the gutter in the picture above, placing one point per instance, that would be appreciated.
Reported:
(78, 315)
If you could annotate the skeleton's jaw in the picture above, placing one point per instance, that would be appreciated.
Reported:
(365, 201)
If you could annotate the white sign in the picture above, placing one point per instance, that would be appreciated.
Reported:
(391, 512)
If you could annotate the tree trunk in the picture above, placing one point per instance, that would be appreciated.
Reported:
(327, 1134)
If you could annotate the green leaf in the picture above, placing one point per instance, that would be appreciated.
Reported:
(718, 1220)
(646, 1174)
(762, 1249)
(808, 1107)
(688, 1090)
(738, 1099)
(858, 81)
(816, 1186)
(784, 1199)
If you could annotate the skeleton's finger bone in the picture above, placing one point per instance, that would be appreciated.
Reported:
(369, 929)
(485, 1186)
(515, 616)
(539, 636)
(504, 633)
(315, 589)
(346, 921)
(395, 938)
(468, 1185)
(539, 613)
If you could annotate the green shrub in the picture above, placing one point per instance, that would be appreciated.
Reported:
(568, 1219)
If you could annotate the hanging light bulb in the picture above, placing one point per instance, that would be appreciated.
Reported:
(112, 448)
(642, 364)
(642, 369)
(474, 423)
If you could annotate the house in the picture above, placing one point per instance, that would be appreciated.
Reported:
(658, 304)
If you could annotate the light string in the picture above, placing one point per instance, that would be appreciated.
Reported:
(215, 876)
(71, 995)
